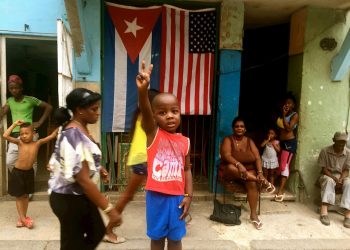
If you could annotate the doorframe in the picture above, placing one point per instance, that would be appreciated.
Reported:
(3, 172)
(3, 89)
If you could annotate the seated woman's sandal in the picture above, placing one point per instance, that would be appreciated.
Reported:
(256, 223)
(279, 197)
(269, 188)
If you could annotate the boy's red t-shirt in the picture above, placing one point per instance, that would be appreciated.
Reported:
(166, 161)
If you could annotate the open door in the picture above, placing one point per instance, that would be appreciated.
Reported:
(64, 62)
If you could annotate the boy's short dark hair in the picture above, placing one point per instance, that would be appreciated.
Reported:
(26, 125)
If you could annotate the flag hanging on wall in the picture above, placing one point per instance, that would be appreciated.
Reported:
(180, 44)
(131, 35)
(188, 46)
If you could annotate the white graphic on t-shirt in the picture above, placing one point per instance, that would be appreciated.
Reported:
(168, 162)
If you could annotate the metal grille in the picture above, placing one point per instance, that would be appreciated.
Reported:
(115, 150)
(197, 128)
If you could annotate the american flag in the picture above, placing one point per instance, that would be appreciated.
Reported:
(187, 57)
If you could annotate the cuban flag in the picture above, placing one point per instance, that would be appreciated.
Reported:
(179, 43)
(132, 35)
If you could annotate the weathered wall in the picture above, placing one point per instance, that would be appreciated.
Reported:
(231, 24)
(39, 15)
(87, 18)
(323, 103)
(231, 30)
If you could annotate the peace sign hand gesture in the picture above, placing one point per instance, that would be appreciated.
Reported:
(143, 77)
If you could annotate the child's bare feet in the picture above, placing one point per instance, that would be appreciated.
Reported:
(28, 223)
(19, 223)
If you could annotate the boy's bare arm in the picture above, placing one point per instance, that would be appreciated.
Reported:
(188, 176)
(7, 133)
(48, 138)
(142, 82)
(186, 202)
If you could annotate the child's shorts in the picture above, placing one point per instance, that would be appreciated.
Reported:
(21, 182)
(140, 169)
(162, 215)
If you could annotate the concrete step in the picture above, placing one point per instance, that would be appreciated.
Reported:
(130, 244)
(198, 196)
(191, 244)
(314, 244)
(114, 195)
(288, 196)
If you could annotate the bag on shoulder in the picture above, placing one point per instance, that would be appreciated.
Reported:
(226, 213)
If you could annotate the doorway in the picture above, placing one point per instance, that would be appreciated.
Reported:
(35, 61)
(264, 77)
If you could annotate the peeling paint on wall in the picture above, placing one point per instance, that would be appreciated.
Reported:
(323, 103)
(231, 25)
(75, 29)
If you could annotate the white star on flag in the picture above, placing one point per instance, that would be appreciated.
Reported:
(132, 27)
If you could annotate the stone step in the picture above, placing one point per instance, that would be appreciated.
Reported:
(198, 196)
(191, 244)
(314, 244)
(130, 244)
(288, 196)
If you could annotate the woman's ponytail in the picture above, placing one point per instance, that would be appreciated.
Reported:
(61, 116)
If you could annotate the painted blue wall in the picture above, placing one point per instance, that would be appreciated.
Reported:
(40, 15)
(228, 96)
(90, 22)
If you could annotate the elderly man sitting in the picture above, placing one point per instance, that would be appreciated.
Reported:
(335, 163)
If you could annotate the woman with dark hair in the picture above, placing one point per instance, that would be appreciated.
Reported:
(287, 123)
(75, 167)
(240, 160)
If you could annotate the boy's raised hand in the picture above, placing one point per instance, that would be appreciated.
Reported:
(144, 76)
(18, 122)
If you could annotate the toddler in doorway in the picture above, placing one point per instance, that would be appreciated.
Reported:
(270, 155)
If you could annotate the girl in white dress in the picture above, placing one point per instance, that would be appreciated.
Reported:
(270, 155)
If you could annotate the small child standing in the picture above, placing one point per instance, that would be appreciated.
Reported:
(21, 178)
(169, 179)
(270, 156)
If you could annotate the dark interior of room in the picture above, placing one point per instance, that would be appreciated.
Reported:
(35, 61)
(264, 77)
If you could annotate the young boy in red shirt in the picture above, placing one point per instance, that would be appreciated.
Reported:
(169, 180)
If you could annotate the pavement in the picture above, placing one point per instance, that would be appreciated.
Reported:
(286, 225)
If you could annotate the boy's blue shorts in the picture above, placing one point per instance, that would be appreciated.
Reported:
(162, 215)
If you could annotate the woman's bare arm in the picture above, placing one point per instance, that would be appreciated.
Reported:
(226, 151)
(255, 151)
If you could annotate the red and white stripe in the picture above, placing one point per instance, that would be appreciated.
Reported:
(189, 76)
